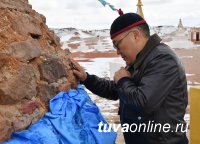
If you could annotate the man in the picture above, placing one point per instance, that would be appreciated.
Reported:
(152, 87)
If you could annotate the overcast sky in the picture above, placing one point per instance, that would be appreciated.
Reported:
(90, 14)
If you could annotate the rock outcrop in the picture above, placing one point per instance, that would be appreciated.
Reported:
(33, 67)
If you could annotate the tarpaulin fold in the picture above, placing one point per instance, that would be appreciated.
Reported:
(73, 119)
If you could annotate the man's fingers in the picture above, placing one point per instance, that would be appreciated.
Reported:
(77, 66)
(81, 76)
(77, 73)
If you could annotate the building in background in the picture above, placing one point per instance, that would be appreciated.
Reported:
(195, 35)
(180, 26)
(180, 38)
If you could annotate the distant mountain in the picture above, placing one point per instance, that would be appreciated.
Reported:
(84, 40)
(163, 30)
(79, 40)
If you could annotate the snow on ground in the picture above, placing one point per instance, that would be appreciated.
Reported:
(181, 43)
(163, 30)
(196, 83)
(181, 57)
(72, 32)
(90, 44)
(78, 40)
(87, 41)
(101, 66)
(189, 74)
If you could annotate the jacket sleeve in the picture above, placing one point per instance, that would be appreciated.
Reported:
(101, 87)
(158, 79)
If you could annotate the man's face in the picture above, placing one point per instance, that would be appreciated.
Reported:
(126, 46)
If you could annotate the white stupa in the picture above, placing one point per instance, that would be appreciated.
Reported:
(180, 38)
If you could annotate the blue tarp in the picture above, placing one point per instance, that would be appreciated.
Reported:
(73, 119)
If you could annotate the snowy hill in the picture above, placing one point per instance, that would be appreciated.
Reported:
(163, 30)
(78, 40)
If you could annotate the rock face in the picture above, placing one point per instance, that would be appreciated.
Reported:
(51, 70)
(33, 67)
(25, 50)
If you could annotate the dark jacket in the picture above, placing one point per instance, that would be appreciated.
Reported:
(156, 92)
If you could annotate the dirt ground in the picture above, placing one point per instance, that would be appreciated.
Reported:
(191, 61)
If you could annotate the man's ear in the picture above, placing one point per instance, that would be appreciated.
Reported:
(135, 34)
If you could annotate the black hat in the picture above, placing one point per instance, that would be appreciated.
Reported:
(125, 22)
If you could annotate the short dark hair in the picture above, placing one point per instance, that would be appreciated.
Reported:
(144, 28)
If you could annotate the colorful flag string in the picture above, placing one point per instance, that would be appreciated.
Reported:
(104, 3)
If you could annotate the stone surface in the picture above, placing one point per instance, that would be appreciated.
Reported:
(25, 50)
(64, 87)
(33, 67)
(45, 92)
(21, 5)
(51, 70)
(18, 85)
(56, 40)
(25, 25)
(18, 116)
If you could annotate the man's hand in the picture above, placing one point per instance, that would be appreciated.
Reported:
(78, 71)
(120, 74)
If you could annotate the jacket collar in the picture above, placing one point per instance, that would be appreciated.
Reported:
(153, 41)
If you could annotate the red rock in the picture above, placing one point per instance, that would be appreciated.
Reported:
(29, 107)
